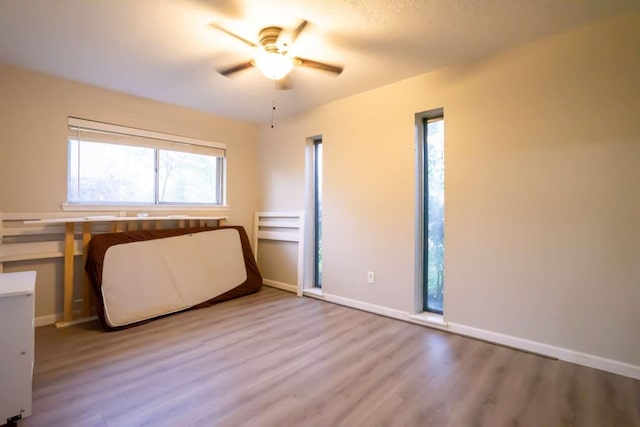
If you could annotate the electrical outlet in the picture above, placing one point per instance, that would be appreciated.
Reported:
(371, 277)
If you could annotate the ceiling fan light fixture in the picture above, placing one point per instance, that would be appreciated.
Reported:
(274, 65)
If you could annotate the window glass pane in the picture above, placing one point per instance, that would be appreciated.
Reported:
(109, 173)
(318, 213)
(188, 178)
(435, 213)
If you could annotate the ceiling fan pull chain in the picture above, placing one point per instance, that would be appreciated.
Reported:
(273, 102)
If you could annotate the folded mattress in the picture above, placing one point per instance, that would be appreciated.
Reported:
(141, 275)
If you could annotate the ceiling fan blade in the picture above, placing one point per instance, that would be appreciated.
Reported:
(285, 83)
(301, 26)
(286, 38)
(229, 8)
(224, 30)
(236, 68)
(318, 65)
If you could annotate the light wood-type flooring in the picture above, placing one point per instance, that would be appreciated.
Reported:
(272, 359)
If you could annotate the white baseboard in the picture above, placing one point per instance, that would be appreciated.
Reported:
(584, 359)
(56, 319)
(378, 309)
(360, 305)
(280, 285)
(49, 319)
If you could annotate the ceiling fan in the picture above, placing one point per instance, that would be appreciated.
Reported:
(272, 56)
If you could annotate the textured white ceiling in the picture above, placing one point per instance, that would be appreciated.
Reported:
(165, 50)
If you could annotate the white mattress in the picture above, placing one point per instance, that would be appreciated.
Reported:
(141, 280)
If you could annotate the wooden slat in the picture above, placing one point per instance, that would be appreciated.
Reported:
(278, 235)
(32, 230)
(279, 224)
(39, 216)
(46, 229)
(111, 218)
(35, 256)
(301, 260)
(86, 285)
(275, 214)
(25, 249)
(68, 272)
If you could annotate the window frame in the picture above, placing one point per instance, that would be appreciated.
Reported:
(317, 212)
(418, 312)
(435, 117)
(160, 142)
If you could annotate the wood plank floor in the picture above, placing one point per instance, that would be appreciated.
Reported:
(272, 359)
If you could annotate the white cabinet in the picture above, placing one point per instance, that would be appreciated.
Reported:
(16, 343)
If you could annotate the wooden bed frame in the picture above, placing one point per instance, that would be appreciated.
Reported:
(41, 235)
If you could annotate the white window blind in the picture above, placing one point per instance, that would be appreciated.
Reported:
(112, 164)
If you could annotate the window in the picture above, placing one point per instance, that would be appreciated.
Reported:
(109, 164)
(317, 204)
(433, 214)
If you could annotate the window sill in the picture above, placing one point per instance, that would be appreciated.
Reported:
(73, 207)
(429, 319)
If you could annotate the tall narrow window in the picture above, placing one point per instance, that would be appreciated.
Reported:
(317, 214)
(433, 227)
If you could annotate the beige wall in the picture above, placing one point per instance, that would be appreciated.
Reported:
(33, 150)
(278, 261)
(542, 189)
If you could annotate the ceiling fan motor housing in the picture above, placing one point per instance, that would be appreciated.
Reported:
(269, 37)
